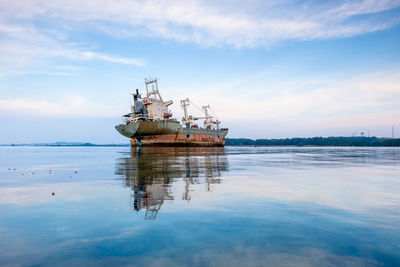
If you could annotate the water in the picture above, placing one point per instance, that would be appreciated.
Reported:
(199, 207)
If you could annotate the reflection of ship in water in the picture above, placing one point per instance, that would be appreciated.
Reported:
(151, 171)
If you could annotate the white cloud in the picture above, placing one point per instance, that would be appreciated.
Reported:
(241, 24)
(122, 60)
(361, 102)
(24, 49)
(371, 99)
(74, 106)
(351, 8)
(33, 33)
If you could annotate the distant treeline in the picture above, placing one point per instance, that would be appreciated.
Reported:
(315, 141)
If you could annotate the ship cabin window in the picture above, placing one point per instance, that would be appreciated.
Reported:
(187, 136)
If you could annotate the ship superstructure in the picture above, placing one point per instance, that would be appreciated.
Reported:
(151, 107)
(150, 122)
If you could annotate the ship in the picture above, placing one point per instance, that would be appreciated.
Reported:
(151, 123)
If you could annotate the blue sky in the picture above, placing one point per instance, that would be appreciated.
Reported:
(269, 69)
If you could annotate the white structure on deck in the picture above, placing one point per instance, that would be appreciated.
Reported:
(188, 119)
(153, 108)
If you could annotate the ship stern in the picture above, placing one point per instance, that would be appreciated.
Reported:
(129, 129)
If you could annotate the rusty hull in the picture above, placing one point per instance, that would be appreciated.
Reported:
(170, 133)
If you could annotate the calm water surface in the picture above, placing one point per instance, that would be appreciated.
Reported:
(199, 207)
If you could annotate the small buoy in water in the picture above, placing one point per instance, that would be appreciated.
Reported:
(53, 193)
(33, 172)
(76, 171)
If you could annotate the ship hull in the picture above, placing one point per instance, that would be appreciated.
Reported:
(170, 133)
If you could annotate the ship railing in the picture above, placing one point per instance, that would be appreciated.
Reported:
(128, 118)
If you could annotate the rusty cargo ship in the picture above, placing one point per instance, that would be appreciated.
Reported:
(150, 122)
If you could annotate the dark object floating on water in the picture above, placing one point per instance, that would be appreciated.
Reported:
(76, 171)
(53, 193)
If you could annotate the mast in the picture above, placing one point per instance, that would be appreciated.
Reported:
(186, 118)
(154, 88)
(217, 122)
(208, 122)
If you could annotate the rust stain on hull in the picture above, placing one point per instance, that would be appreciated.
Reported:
(179, 140)
(166, 133)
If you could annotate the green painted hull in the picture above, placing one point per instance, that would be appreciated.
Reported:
(158, 133)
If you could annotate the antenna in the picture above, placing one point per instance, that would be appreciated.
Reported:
(147, 87)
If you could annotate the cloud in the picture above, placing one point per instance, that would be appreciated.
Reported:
(27, 41)
(239, 24)
(25, 49)
(122, 60)
(364, 100)
(351, 8)
(73, 106)
(35, 34)
(370, 99)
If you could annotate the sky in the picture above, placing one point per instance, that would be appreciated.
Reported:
(269, 69)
